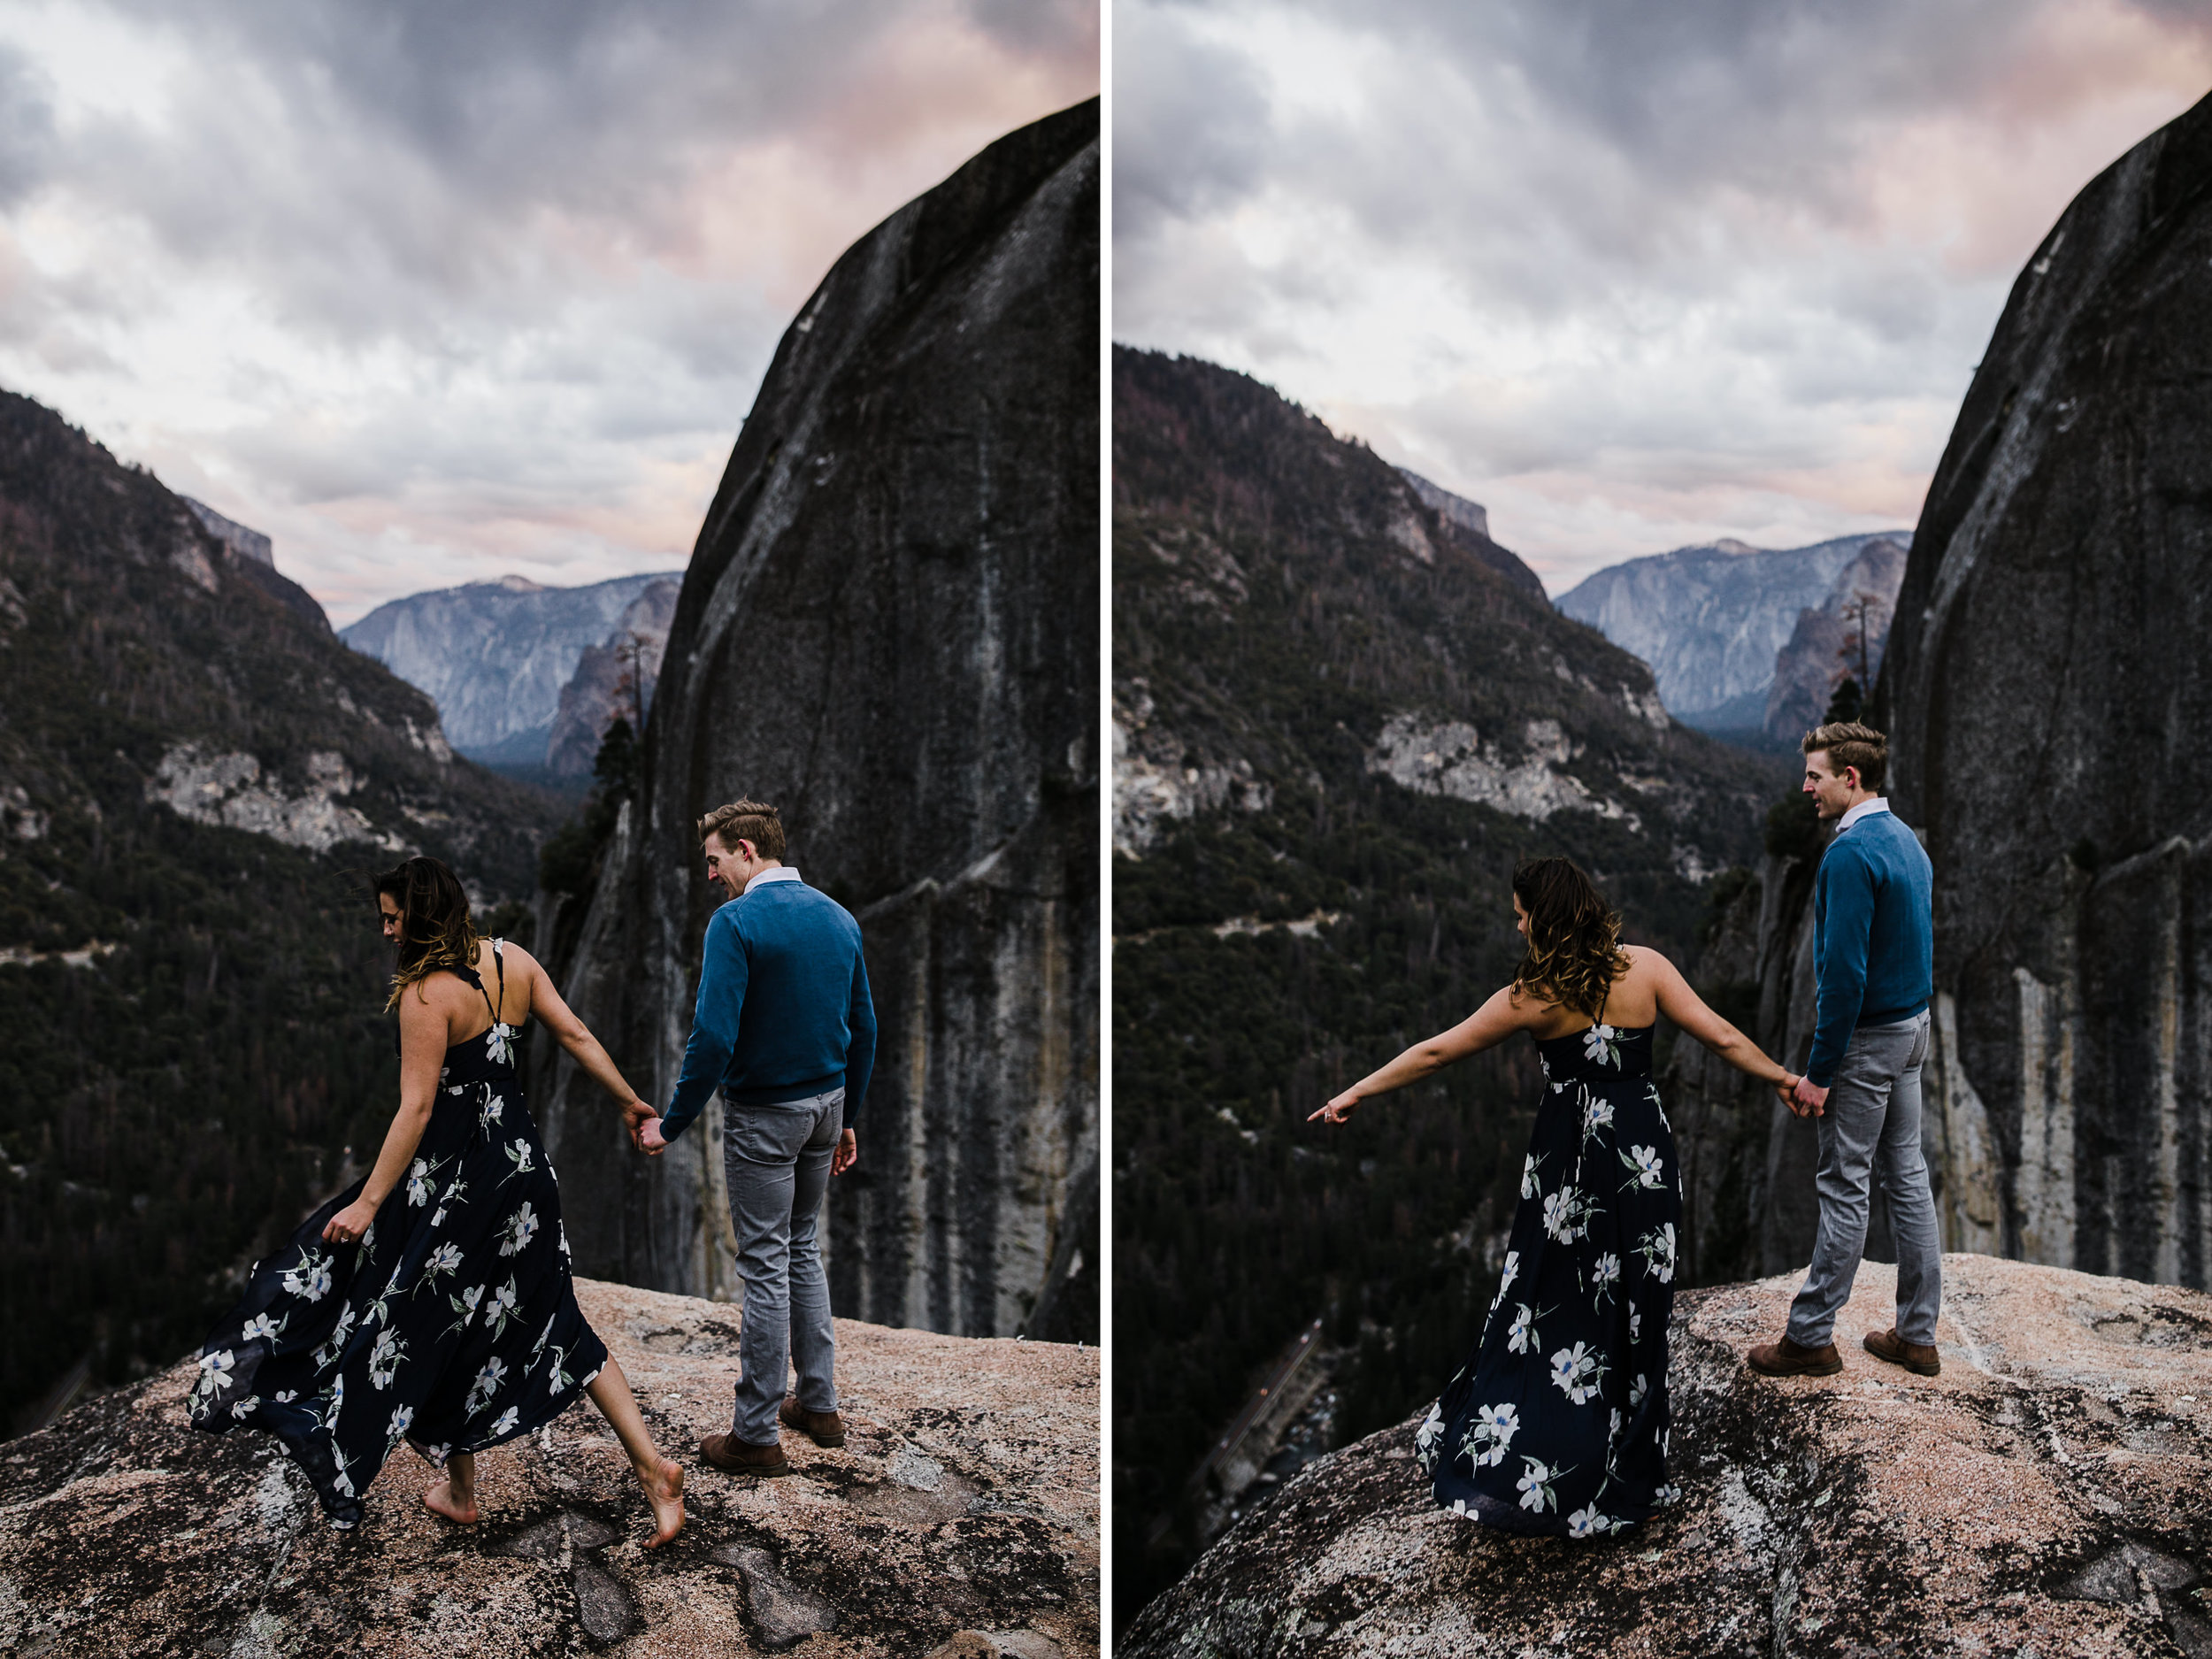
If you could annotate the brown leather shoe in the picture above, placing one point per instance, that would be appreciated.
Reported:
(1914, 1356)
(1785, 1358)
(823, 1428)
(742, 1457)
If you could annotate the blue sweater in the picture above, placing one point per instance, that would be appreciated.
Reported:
(1873, 938)
(783, 1010)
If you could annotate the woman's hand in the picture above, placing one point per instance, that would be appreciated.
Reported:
(635, 1115)
(348, 1226)
(1338, 1111)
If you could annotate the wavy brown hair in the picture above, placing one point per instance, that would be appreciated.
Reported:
(1574, 937)
(436, 931)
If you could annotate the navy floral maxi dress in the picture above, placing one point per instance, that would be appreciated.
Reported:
(452, 1324)
(1557, 1423)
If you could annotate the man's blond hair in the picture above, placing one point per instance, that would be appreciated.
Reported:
(1850, 744)
(745, 821)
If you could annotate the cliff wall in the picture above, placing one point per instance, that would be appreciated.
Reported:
(2047, 693)
(889, 629)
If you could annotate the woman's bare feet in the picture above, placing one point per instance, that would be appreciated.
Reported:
(665, 1491)
(441, 1500)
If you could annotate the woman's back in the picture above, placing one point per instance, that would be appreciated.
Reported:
(1632, 1003)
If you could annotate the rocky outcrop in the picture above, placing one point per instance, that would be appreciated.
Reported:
(1843, 636)
(495, 656)
(1710, 619)
(616, 677)
(2047, 690)
(2046, 1493)
(889, 630)
(961, 1512)
(1466, 514)
(247, 544)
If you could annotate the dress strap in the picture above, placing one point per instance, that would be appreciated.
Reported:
(500, 963)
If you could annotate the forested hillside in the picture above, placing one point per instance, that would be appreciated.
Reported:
(194, 776)
(1340, 719)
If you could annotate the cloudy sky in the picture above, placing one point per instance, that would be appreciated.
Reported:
(1633, 275)
(434, 292)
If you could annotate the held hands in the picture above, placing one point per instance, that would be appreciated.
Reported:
(348, 1226)
(1338, 1111)
(1802, 1095)
(647, 1136)
(847, 1150)
(635, 1115)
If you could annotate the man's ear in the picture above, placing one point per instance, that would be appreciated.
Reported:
(1851, 780)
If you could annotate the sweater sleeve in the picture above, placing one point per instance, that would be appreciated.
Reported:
(860, 1058)
(1847, 884)
(722, 979)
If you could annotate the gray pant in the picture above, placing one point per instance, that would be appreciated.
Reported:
(777, 1161)
(1873, 1126)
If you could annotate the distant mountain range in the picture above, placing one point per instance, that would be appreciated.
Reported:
(1714, 620)
(497, 655)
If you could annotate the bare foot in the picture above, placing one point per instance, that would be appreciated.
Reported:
(665, 1491)
(439, 1499)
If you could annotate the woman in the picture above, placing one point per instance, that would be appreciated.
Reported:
(1557, 1423)
(432, 1302)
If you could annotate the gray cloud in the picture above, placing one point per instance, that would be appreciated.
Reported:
(397, 282)
(1705, 268)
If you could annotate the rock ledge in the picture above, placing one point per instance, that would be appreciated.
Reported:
(2045, 1496)
(965, 1498)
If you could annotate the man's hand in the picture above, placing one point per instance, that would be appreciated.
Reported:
(847, 1151)
(635, 1115)
(1809, 1100)
(648, 1137)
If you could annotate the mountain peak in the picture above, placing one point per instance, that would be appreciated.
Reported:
(518, 585)
(1729, 544)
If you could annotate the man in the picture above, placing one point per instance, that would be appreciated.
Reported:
(785, 1028)
(1874, 950)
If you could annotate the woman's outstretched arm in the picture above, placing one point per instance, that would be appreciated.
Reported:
(1488, 1025)
(422, 1034)
(548, 1008)
(1682, 1005)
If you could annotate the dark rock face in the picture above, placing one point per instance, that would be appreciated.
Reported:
(614, 678)
(2048, 695)
(2044, 1494)
(1843, 635)
(889, 629)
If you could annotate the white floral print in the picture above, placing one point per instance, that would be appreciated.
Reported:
(418, 1184)
(1494, 1429)
(1601, 1046)
(1535, 1485)
(262, 1325)
(385, 1358)
(522, 1226)
(311, 1277)
(499, 1044)
(1520, 1336)
(501, 1307)
(215, 1372)
(1645, 1167)
(505, 1421)
(1530, 1189)
(403, 1419)
(485, 1386)
(1656, 1247)
(1576, 1371)
(1586, 1521)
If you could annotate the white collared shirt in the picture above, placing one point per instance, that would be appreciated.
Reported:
(781, 872)
(1865, 809)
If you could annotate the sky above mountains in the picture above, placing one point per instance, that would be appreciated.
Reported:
(431, 293)
(1632, 276)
